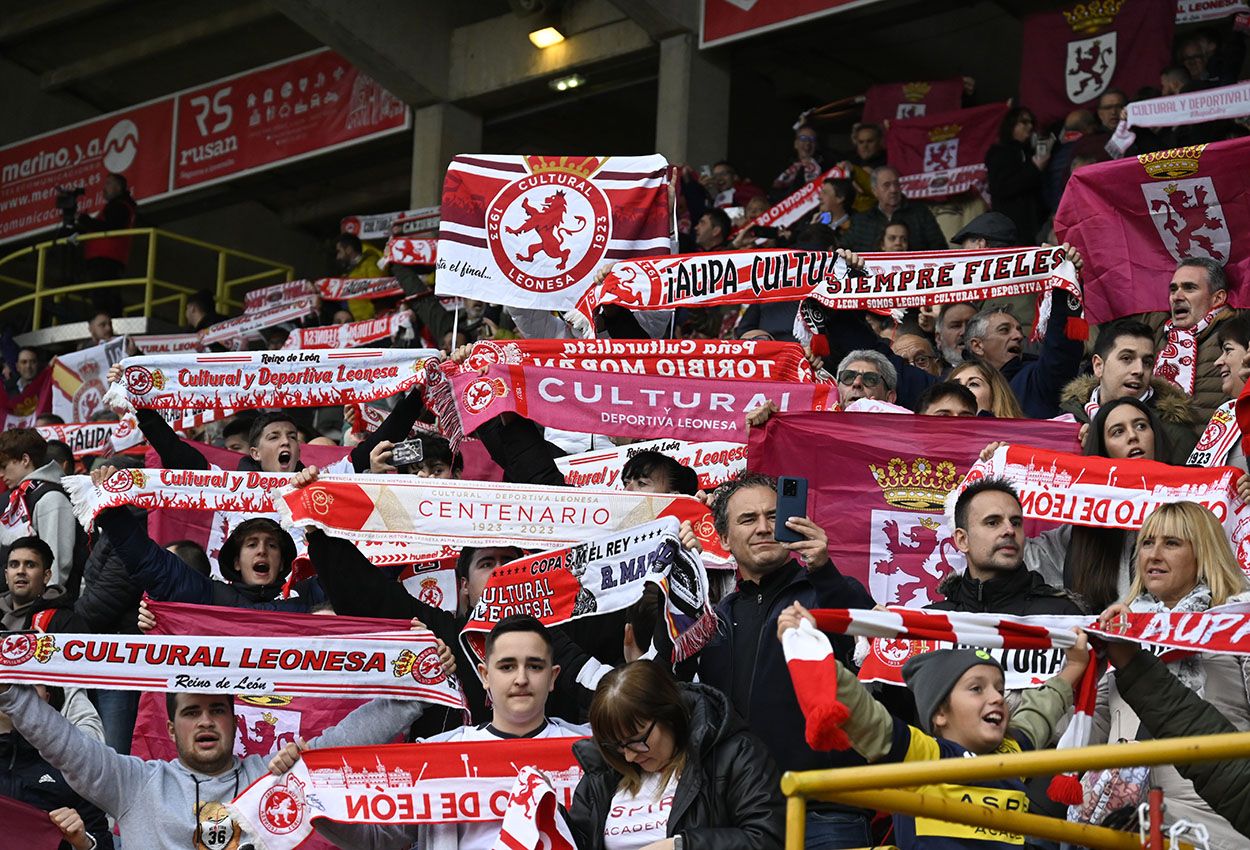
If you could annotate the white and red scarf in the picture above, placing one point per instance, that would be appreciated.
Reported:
(1095, 401)
(1218, 439)
(167, 343)
(889, 281)
(715, 462)
(1104, 493)
(1177, 360)
(260, 379)
(397, 665)
(278, 293)
(427, 783)
(606, 573)
(793, 207)
(429, 512)
(347, 288)
(410, 251)
(252, 322)
(97, 438)
(616, 404)
(349, 335)
(1220, 104)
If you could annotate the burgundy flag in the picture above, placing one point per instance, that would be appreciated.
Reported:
(27, 827)
(943, 154)
(891, 101)
(1075, 53)
(1134, 219)
(530, 231)
(878, 484)
(21, 408)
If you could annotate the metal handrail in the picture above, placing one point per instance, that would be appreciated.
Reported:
(873, 786)
(38, 290)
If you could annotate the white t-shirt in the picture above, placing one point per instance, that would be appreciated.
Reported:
(636, 820)
(482, 836)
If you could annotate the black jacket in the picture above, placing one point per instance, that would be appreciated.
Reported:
(1015, 187)
(1170, 709)
(728, 796)
(923, 232)
(772, 710)
(25, 776)
(14, 617)
(109, 602)
(1021, 593)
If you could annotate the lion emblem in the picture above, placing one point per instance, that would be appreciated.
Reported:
(547, 223)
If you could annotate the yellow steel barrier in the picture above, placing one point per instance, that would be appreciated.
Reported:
(865, 786)
(156, 292)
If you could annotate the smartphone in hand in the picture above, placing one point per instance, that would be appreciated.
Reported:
(791, 502)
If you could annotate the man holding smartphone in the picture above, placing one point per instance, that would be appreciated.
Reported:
(745, 661)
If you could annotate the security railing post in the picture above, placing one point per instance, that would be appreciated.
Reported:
(222, 307)
(149, 285)
(41, 269)
(796, 822)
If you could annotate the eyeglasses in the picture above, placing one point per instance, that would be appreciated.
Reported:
(806, 138)
(869, 379)
(922, 361)
(637, 745)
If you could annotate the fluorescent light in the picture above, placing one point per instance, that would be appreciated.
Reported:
(570, 82)
(546, 37)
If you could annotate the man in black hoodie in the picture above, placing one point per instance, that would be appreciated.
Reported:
(32, 601)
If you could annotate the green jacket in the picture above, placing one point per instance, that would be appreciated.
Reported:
(1169, 709)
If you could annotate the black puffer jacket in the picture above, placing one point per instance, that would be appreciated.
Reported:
(109, 602)
(728, 796)
(1021, 593)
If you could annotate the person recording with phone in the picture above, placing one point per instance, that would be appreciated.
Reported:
(782, 558)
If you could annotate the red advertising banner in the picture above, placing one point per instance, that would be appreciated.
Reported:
(729, 20)
(266, 116)
(299, 107)
(133, 142)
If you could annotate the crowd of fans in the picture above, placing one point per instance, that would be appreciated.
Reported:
(688, 756)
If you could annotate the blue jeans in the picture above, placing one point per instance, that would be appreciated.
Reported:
(118, 710)
(836, 831)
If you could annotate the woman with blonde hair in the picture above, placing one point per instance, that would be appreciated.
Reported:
(993, 393)
(670, 767)
(1184, 565)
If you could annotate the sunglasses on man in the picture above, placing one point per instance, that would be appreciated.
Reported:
(869, 379)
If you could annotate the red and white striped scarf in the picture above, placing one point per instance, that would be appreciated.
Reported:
(790, 209)
(1218, 438)
(347, 288)
(252, 322)
(1177, 360)
(349, 335)
(410, 251)
(260, 379)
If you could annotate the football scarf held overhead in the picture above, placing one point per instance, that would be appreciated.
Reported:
(530, 231)
(261, 318)
(427, 783)
(714, 462)
(619, 405)
(670, 358)
(434, 512)
(96, 438)
(602, 575)
(790, 209)
(1104, 493)
(347, 288)
(1218, 438)
(410, 251)
(349, 335)
(400, 665)
(889, 280)
(1220, 104)
(267, 379)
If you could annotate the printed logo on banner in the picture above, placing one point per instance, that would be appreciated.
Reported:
(1189, 218)
(549, 229)
(1091, 64)
(262, 731)
(910, 550)
(120, 145)
(943, 153)
(894, 652)
(87, 398)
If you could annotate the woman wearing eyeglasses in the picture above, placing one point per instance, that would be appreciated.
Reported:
(671, 767)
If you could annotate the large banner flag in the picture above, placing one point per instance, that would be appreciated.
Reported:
(1104, 493)
(714, 461)
(605, 574)
(943, 154)
(30, 825)
(258, 379)
(891, 102)
(264, 722)
(78, 379)
(878, 484)
(429, 783)
(529, 231)
(1076, 52)
(1134, 219)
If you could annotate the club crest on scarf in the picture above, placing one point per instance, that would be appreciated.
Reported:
(282, 807)
(1186, 212)
(1091, 61)
(549, 229)
(911, 549)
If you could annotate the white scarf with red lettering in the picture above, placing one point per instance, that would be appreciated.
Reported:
(1218, 439)
(252, 322)
(1177, 361)
(347, 288)
(517, 782)
(260, 379)
(349, 335)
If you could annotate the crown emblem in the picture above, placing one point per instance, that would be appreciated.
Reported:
(1086, 18)
(1172, 164)
(269, 717)
(944, 132)
(89, 369)
(922, 486)
(582, 166)
(916, 92)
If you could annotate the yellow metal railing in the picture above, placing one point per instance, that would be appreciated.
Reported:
(157, 292)
(891, 787)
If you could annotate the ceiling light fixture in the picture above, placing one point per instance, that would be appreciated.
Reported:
(572, 81)
(546, 37)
